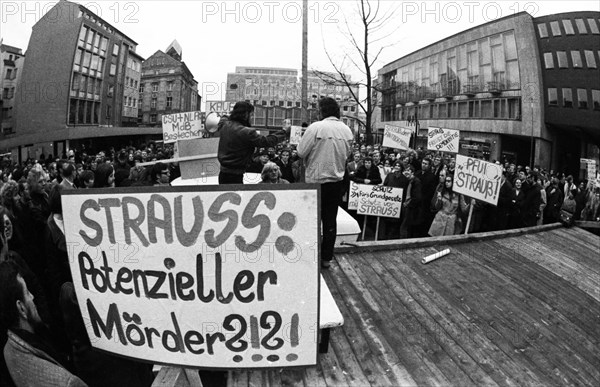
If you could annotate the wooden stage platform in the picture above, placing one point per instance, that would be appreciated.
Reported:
(517, 308)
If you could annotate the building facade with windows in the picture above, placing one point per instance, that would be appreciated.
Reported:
(167, 86)
(276, 95)
(11, 66)
(569, 45)
(73, 87)
(488, 82)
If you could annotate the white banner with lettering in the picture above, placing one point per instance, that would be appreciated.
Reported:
(375, 200)
(478, 179)
(396, 137)
(443, 140)
(212, 278)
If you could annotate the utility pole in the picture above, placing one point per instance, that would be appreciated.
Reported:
(304, 97)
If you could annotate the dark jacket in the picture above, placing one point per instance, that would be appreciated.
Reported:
(372, 174)
(287, 172)
(237, 143)
(413, 206)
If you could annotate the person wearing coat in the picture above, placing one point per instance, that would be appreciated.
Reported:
(411, 205)
(367, 173)
(449, 205)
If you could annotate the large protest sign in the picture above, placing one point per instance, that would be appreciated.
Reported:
(396, 137)
(182, 126)
(478, 179)
(211, 278)
(443, 140)
(375, 200)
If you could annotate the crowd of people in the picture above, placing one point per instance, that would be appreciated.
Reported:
(43, 332)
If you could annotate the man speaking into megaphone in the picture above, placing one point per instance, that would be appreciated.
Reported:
(238, 141)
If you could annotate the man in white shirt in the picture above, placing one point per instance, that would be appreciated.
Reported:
(325, 147)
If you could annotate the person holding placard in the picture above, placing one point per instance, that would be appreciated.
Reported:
(449, 205)
(411, 205)
(325, 146)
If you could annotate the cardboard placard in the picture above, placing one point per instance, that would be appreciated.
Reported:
(198, 276)
(477, 179)
(182, 126)
(375, 200)
(443, 140)
(295, 135)
(396, 137)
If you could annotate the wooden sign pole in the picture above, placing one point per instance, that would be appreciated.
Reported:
(377, 229)
(469, 218)
(364, 227)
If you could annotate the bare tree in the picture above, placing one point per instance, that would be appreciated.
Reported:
(373, 22)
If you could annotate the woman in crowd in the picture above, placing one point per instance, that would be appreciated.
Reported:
(271, 174)
(449, 205)
(104, 177)
(518, 197)
(367, 173)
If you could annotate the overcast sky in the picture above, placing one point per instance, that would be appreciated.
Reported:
(217, 36)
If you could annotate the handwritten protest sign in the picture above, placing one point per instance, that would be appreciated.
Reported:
(396, 137)
(477, 179)
(443, 140)
(590, 166)
(375, 200)
(222, 108)
(209, 278)
(182, 126)
(295, 135)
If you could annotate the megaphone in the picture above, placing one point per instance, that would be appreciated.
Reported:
(211, 122)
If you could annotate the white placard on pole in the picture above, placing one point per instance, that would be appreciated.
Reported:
(443, 140)
(477, 179)
(182, 126)
(396, 137)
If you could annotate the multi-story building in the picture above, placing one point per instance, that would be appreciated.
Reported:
(489, 83)
(569, 47)
(167, 86)
(74, 89)
(276, 94)
(11, 65)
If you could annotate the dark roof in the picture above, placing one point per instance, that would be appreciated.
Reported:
(14, 50)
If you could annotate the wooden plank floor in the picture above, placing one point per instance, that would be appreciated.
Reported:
(522, 310)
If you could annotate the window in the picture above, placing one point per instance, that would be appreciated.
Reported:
(552, 96)
(108, 111)
(153, 103)
(141, 87)
(593, 26)
(567, 96)
(111, 91)
(582, 98)
(76, 80)
(169, 102)
(78, 55)
(82, 34)
(568, 26)
(542, 30)
(154, 87)
(580, 26)
(115, 49)
(548, 60)
(297, 104)
(85, 65)
(113, 69)
(103, 46)
(289, 103)
(555, 28)
(5, 93)
(152, 118)
(596, 99)
(170, 86)
(134, 102)
(562, 59)
(8, 73)
(590, 60)
(576, 58)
